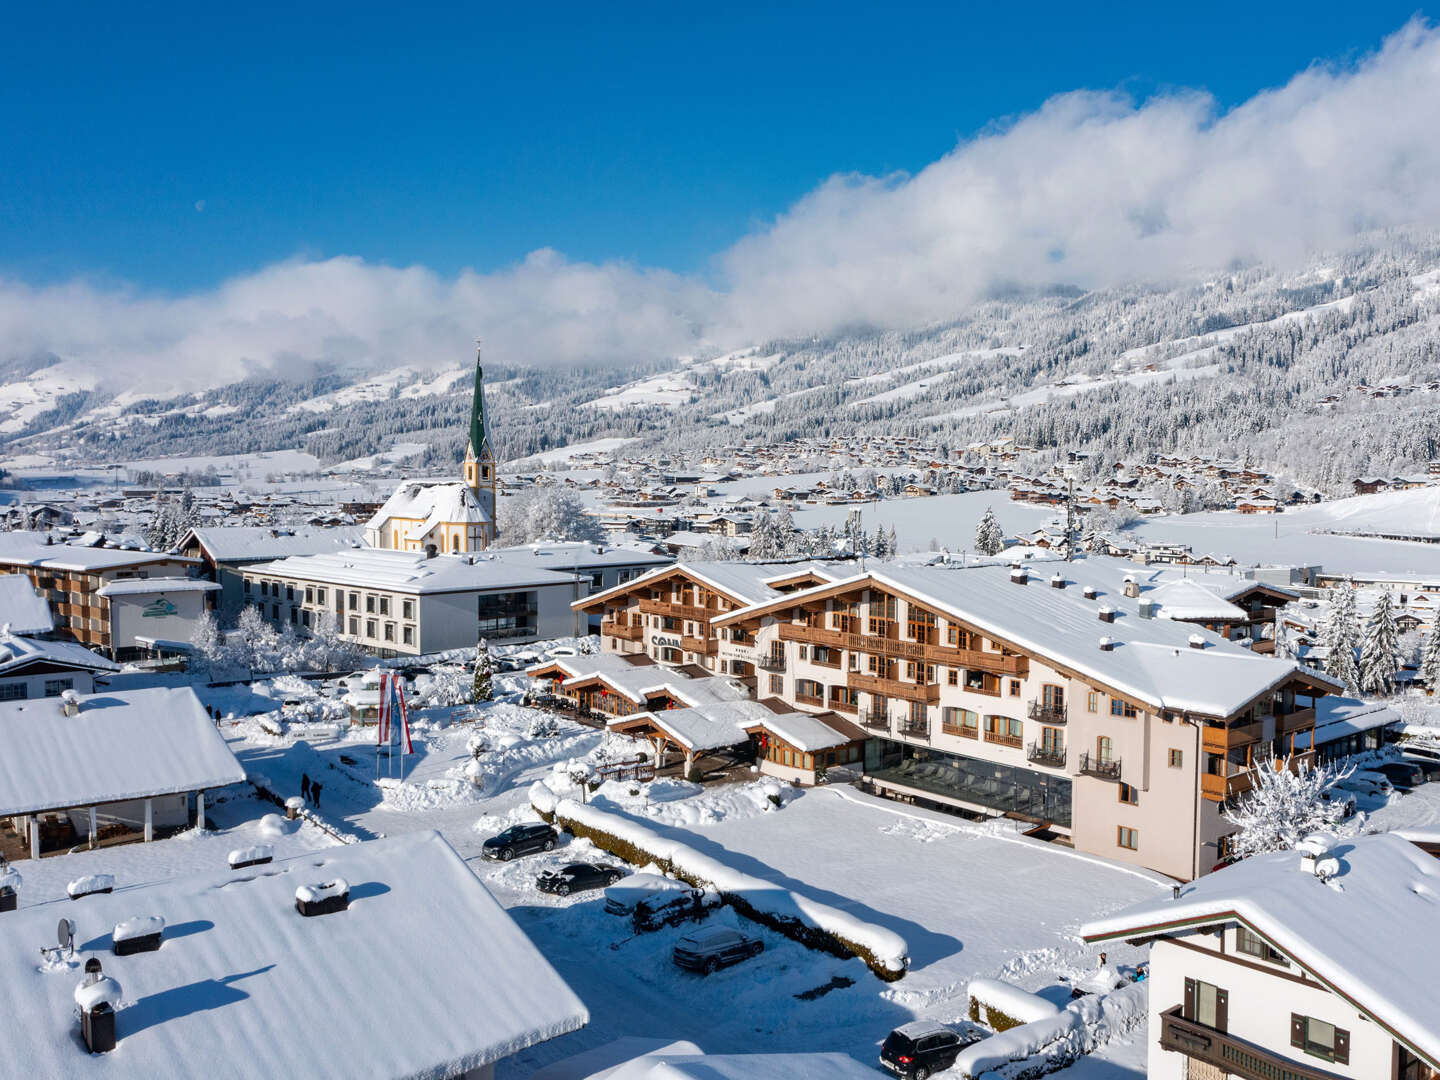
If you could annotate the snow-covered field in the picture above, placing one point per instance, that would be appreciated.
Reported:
(949, 520)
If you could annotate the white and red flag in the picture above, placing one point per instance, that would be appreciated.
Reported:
(394, 720)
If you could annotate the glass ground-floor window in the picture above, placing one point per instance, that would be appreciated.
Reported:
(1007, 788)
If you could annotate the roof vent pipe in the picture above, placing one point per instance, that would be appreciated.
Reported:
(70, 703)
(1107, 644)
(1090, 592)
(1107, 614)
(1057, 582)
(1018, 576)
(1196, 641)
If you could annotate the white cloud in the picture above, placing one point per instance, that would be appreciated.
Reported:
(1091, 189)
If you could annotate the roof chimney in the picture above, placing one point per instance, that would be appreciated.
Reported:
(70, 703)
(1057, 582)
(1148, 608)
(1090, 592)
(1018, 576)
(1196, 641)
(1107, 614)
(1107, 644)
(1132, 589)
(323, 899)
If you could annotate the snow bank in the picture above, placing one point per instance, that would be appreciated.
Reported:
(1049, 1044)
(1002, 1006)
(813, 924)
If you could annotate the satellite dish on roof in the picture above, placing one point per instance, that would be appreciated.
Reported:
(65, 935)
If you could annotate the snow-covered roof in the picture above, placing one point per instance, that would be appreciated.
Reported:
(18, 652)
(670, 1066)
(1385, 884)
(147, 586)
(638, 681)
(1336, 717)
(578, 556)
(803, 731)
(30, 549)
(424, 974)
(122, 744)
(412, 572)
(432, 504)
(1189, 601)
(740, 581)
(704, 727)
(246, 543)
(1152, 659)
(22, 608)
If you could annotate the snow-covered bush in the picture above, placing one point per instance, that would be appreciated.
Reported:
(483, 684)
(1051, 1043)
(550, 515)
(1001, 1006)
(1284, 806)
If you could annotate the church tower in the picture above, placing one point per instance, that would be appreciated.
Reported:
(479, 456)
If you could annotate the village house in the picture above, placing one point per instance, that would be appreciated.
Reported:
(1258, 971)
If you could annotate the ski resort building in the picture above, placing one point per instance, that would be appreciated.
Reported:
(1298, 965)
(1036, 695)
(454, 518)
(409, 968)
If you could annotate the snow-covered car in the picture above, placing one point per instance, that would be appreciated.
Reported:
(1423, 752)
(1366, 783)
(919, 1049)
(578, 877)
(520, 840)
(713, 947)
(621, 899)
(667, 909)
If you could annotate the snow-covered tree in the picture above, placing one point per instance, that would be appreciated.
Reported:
(327, 649)
(484, 681)
(253, 641)
(989, 537)
(550, 515)
(1430, 657)
(208, 651)
(1284, 806)
(1380, 653)
(1340, 636)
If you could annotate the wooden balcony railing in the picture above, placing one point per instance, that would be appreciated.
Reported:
(843, 706)
(1294, 720)
(676, 611)
(960, 730)
(1048, 712)
(907, 650)
(1000, 738)
(873, 684)
(813, 700)
(1230, 1055)
(703, 646)
(623, 631)
(1215, 739)
(1238, 779)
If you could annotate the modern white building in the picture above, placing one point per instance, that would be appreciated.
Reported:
(420, 973)
(223, 551)
(155, 614)
(1313, 965)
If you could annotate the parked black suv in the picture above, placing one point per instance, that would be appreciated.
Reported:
(520, 840)
(577, 877)
(920, 1048)
(714, 947)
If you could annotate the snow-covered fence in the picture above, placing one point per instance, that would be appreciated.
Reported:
(1000, 1006)
(1045, 1046)
(812, 924)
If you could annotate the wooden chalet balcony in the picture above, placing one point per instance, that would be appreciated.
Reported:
(1215, 739)
(873, 684)
(1101, 769)
(1238, 780)
(1230, 1055)
(703, 646)
(906, 650)
(1294, 720)
(814, 701)
(676, 611)
(623, 631)
(1001, 739)
(1048, 713)
(1052, 757)
(843, 706)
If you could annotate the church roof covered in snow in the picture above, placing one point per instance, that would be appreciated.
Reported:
(423, 974)
(433, 504)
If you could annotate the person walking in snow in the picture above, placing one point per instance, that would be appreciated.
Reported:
(315, 793)
(305, 786)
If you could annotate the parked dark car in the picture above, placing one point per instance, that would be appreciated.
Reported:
(669, 908)
(1403, 774)
(714, 947)
(520, 840)
(577, 877)
(919, 1049)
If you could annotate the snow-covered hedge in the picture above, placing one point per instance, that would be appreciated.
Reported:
(1001, 1006)
(814, 925)
(1047, 1045)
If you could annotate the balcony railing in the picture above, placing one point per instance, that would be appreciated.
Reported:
(1220, 740)
(1000, 738)
(1098, 767)
(873, 720)
(703, 646)
(907, 650)
(843, 706)
(1230, 1055)
(1238, 779)
(1294, 720)
(915, 729)
(1048, 712)
(1052, 757)
(815, 701)
(874, 684)
(770, 661)
(676, 611)
(623, 631)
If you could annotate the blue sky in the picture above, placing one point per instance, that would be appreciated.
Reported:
(469, 135)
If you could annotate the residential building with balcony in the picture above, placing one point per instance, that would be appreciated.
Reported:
(1074, 707)
(400, 603)
(1297, 965)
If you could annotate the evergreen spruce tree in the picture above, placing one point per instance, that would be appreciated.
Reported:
(1340, 636)
(1379, 656)
(484, 672)
(989, 537)
(1430, 657)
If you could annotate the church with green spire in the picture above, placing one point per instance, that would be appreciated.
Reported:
(445, 519)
